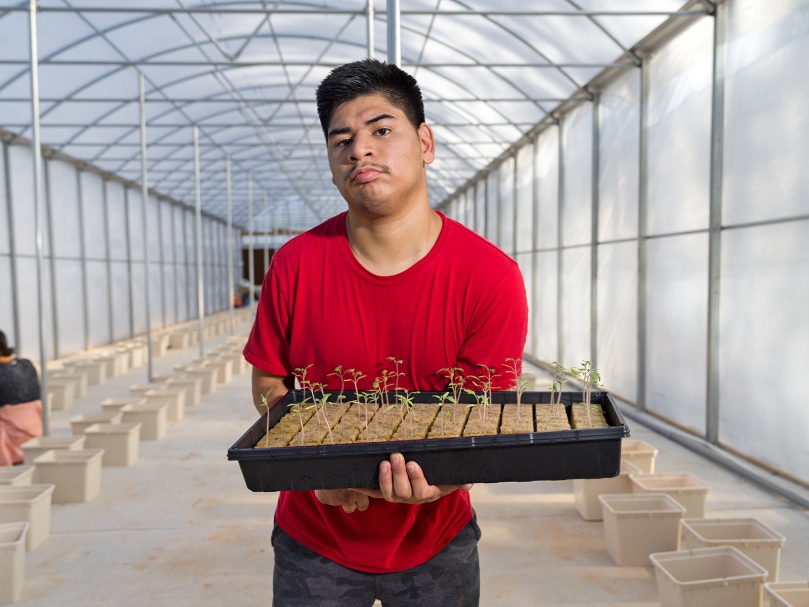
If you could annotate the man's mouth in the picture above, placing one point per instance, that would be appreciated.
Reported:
(365, 174)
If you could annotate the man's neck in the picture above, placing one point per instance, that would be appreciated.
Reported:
(390, 245)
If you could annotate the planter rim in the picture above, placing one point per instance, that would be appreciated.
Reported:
(48, 441)
(20, 527)
(122, 428)
(38, 491)
(773, 587)
(699, 484)
(757, 572)
(674, 508)
(693, 525)
(81, 456)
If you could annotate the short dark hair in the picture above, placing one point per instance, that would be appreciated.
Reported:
(369, 77)
(4, 349)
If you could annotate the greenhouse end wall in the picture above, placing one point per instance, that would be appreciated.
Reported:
(93, 258)
(641, 287)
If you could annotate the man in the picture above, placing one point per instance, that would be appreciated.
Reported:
(391, 277)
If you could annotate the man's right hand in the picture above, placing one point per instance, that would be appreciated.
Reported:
(349, 499)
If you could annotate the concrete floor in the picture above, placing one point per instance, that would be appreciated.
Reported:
(180, 529)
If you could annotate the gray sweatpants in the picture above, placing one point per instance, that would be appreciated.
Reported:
(303, 578)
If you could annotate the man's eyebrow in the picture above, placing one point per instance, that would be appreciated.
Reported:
(340, 131)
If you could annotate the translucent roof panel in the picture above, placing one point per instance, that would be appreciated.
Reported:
(245, 73)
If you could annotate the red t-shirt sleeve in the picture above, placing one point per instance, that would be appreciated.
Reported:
(498, 329)
(268, 346)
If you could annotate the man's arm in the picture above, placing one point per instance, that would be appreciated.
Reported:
(273, 387)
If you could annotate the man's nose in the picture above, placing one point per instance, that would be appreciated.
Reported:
(360, 148)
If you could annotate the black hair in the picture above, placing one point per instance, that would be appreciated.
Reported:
(4, 349)
(369, 77)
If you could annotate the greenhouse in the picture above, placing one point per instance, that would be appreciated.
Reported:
(404, 302)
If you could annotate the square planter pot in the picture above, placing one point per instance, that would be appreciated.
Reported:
(174, 398)
(79, 379)
(760, 542)
(12, 561)
(35, 447)
(79, 423)
(708, 577)
(640, 454)
(685, 488)
(587, 490)
(151, 417)
(179, 340)
(788, 594)
(240, 340)
(64, 390)
(32, 505)
(96, 371)
(119, 442)
(113, 405)
(208, 376)
(192, 387)
(160, 345)
(638, 524)
(239, 363)
(224, 369)
(16, 476)
(137, 356)
(140, 390)
(76, 474)
(110, 363)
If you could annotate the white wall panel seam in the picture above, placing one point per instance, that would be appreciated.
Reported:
(15, 310)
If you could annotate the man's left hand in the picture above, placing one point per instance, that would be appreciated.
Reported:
(405, 483)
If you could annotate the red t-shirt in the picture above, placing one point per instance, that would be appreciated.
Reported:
(462, 305)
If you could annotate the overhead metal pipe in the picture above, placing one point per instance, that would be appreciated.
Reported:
(200, 285)
(36, 149)
(394, 33)
(370, 24)
(251, 262)
(144, 189)
(266, 232)
(230, 243)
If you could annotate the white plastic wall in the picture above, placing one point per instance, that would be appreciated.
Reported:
(764, 284)
(93, 284)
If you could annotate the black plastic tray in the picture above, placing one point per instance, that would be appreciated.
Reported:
(535, 456)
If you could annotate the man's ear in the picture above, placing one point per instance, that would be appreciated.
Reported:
(427, 139)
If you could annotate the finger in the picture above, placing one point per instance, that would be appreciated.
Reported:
(386, 482)
(362, 502)
(401, 479)
(349, 508)
(421, 489)
(375, 493)
(466, 487)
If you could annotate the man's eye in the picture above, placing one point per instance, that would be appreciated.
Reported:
(383, 131)
(343, 142)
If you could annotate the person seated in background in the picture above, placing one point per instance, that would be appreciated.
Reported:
(20, 404)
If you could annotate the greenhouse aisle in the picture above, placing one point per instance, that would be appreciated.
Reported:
(179, 527)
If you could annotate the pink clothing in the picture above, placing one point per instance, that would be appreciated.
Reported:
(18, 424)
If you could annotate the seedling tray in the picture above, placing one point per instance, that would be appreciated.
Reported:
(534, 456)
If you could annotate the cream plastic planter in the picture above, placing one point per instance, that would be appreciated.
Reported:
(638, 524)
(140, 390)
(64, 390)
(238, 361)
(640, 454)
(35, 447)
(76, 474)
(208, 376)
(12, 561)
(137, 356)
(79, 379)
(16, 476)
(788, 594)
(224, 369)
(192, 387)
(240, 340)
(708, 577)
(685, 488)
(31, 504)
(174, 398)
(586, 491)
(760, 542)
(79, 423)
(179, 340)
(160, 345)
(112, 405)
(96, 371)
(119, 441)
(151, 417)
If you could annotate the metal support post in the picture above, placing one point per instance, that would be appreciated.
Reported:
(515, 204)
(230, 243)
(36, 148)
(15, 306)
(200, 284)
(128, 244)
(594, 230)
(560, 223)
(251, 262)
(108, 264)
(370, 26)
(715, 233)
(394, 33)
(534, 246)
(46, 174)
(144, 185)
(267, 232)
(643, 200)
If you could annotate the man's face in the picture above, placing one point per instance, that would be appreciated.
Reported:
(376, 156)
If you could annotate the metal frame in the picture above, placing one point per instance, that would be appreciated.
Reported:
(643, 205)
(594, 201)
(198, 239)
(144, 168)
(51, 259)
(15, 309)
